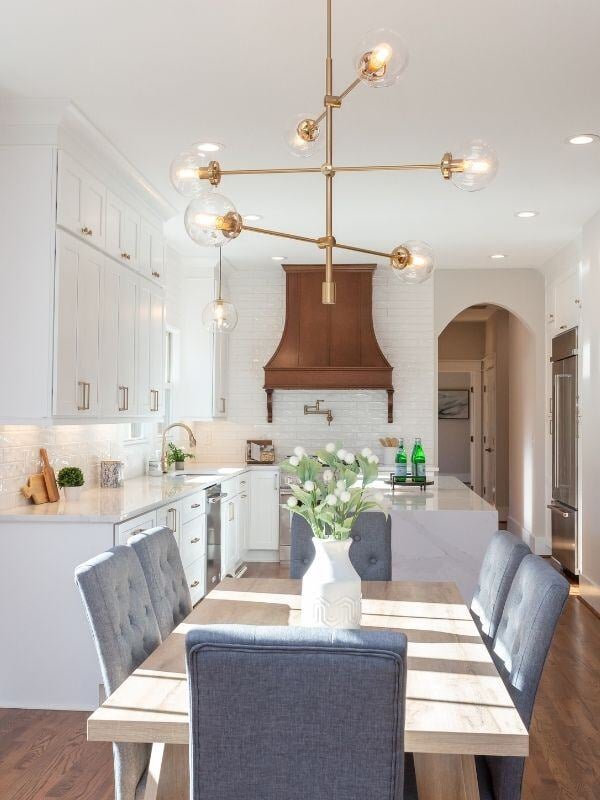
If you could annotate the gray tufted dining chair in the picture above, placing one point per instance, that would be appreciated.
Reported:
(533, 607)
(370, 551)
(169, 591)
(500, 564)
(271, 719)
(125, 631)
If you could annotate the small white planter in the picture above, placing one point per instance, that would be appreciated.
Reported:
(389, 456)
(72, 493)
(331, 588)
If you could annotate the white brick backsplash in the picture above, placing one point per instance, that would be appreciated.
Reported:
(84, 446)
(403, 319)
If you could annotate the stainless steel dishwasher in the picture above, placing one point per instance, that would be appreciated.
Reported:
(214, 495)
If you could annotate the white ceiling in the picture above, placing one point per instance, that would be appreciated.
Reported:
(156, 76)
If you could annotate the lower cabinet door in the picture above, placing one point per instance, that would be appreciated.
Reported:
(132, 526)
(195, 574)
(193, 540)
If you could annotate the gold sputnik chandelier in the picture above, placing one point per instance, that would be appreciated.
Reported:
(212, 220)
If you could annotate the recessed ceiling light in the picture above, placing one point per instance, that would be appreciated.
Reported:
(278, 258)
(252, 217)
(526, 214)
(498, 255)
(208, 147)
(583, 138)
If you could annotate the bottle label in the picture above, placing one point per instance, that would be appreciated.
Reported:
(419, 470)
(401, 470)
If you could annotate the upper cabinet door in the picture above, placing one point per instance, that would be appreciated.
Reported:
(81, 201)
(77, 328)
(150, 351)
(152, 253)
(122, 230)
(157, 343)
(567, 301)
(220, 374)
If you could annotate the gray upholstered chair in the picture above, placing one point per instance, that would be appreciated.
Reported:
(296, 713)
(125, 630)
(500, 563)
(533, 607)
(370, 552)
(169, 591)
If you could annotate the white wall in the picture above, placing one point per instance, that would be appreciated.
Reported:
(403, 317)
(520, 291)
(454, 435)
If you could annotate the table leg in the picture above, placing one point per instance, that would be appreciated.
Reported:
(168, 773)
(452, 777)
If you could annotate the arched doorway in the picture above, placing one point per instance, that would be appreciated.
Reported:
(486, 409)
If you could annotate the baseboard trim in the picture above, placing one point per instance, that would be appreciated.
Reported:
(261, 555)
(537, 544)
(589, 593)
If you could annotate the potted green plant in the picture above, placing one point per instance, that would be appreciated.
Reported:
(71, 480)
(331, 494)
(176, 456)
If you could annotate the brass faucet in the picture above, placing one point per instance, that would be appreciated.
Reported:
(163, 452)
(316, 409)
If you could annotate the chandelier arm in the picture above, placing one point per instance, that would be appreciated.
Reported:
(340, 97)
(388, 167)
(363, 250)
(280, 234)
(283, 171)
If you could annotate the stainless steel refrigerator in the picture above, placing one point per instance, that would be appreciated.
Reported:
(564, 449)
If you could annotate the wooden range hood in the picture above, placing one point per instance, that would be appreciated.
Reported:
(328, 346)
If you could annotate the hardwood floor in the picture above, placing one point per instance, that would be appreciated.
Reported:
(44, 754)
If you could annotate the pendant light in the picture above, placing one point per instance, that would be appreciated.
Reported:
(219, 316)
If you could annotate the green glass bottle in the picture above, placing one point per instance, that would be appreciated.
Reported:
(418, 462)
(401, 463)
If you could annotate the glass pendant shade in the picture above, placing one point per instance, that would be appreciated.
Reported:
(420, 263)
(211, 220)
(219, 316)
(303, 136)
(381, 58)
(184, 168)
(480, 165)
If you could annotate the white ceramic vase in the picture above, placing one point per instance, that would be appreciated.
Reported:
(331, 587)
(72, 493)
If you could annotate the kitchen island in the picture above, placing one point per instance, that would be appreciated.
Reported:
(440, 534)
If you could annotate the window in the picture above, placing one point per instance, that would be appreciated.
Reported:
(137, 433)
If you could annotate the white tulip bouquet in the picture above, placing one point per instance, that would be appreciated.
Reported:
(327, 497)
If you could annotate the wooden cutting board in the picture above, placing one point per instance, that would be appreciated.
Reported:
(49, 477)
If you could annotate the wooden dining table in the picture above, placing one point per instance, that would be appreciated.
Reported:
(457, 705)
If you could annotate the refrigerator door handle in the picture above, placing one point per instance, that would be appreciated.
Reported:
(558, 510)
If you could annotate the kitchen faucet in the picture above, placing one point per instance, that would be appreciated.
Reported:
(316, 409)
(163, 452)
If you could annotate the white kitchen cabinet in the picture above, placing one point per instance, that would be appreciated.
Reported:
(203, 392)
(118, 315)
(263, 533)
(193, 540)
(150, 356)
(566, 302)
(152, 253)
(122, 230)
(130, 527)
(77, 322)
(81, 200)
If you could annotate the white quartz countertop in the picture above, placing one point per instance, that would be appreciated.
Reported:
(136, 496)
(447, 494)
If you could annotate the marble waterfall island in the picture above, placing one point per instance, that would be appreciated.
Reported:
(440, 534)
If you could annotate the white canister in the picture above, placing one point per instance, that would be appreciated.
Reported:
(111, 474)
(389, 456)
(155, 468)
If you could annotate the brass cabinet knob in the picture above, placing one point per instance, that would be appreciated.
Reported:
(156, 274)
(195, 505)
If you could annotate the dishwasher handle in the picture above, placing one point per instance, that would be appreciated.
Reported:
(217, 498)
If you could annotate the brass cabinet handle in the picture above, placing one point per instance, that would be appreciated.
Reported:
(195, 540)
(85, 396)
(86, 231)
(125, 405)
(126, 256)
(154, 400)
(194, 584)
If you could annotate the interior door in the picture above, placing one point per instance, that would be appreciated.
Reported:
(489, 432)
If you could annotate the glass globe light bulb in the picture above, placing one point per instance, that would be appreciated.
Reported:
(479, 166)
(303, 136)
(184, 169)
(219, 316)
(381, 58)
(413, 262)
(211, 220)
